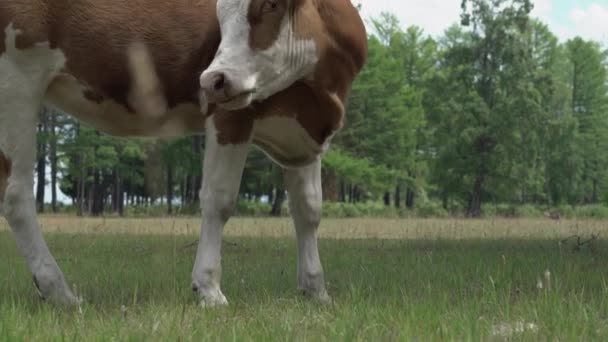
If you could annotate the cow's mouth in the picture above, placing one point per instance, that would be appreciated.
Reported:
(238, 101)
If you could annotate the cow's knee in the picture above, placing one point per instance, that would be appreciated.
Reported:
(15, 206)
(306, 208)
(217, 203)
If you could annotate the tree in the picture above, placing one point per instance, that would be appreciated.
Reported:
(589, 100)
(386, 105)
(489, 100)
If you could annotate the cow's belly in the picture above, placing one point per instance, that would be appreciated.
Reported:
(285, 141)
(69, 95)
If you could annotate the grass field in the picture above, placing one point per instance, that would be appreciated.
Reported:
(412, 280)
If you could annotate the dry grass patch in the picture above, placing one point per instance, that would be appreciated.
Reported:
(358, 228)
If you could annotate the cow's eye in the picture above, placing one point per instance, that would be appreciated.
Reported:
(269, 6)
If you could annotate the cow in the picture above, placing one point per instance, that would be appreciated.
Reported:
(270, 74)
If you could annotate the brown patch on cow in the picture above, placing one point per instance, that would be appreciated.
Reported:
(5, 173)
(265, 18)
(233, 127)
(28, 16)
(182, 37)
(343, 52)
(341, 41)
(319, 114)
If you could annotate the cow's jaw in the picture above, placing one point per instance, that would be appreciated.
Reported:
(254, 74)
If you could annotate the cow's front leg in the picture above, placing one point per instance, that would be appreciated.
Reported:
(17, 203)
(305, 198)
(222, 171)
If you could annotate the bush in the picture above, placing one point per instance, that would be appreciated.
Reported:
(254, 209)
(564, 211)
(431, 209)
(528, 211)
(369, 209)
(145, 210)
(489, 210)
(592, 212)
(512, 210)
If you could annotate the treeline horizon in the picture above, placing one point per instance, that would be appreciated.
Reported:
(495, 111)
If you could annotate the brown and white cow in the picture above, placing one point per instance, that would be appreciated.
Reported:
(268, 73)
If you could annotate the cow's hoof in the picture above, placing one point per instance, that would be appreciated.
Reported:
(56, 291)
(211, 297)
(324, 298)
(320, 296)
(212, 301)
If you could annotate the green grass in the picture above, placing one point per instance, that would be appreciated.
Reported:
(394, 289)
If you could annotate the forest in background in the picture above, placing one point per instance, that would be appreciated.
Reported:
(494, 117)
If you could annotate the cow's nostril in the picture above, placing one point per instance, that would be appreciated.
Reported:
(219, 82)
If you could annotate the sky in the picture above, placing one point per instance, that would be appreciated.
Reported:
(566, 18)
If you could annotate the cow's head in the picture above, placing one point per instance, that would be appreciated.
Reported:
(261, 51)
(267, 45)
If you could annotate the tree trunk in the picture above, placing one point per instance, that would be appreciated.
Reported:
(342, 192)
(196, 179)
(595, 187)
(278, 202)
(330, 186)
(53, 160)
(120, 195)
(476, 196)
(410, 198)
(169, 189)
(114, 192)
(271, 195)
(97, 195)
(81, 183)
(387, 198)
(41, 164)
(398, 196)
(117, 193)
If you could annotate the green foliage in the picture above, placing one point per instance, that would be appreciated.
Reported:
(359, 170)
(430, 209)
(598, 212)
(528, 210)
(254, 209)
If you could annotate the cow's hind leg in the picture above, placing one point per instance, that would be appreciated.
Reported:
(305, 198)
(24, 76)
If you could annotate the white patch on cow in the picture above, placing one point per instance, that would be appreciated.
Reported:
(285, 141)
(222, 171)
(24, 77)
(146, 95)
(67, 94)
(305, 198)
(263, 73)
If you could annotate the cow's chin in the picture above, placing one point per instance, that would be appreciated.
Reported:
(237, 102)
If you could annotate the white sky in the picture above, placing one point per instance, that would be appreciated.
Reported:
(566, 18)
